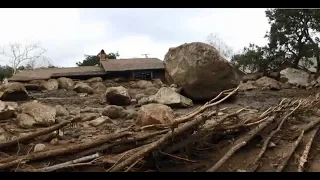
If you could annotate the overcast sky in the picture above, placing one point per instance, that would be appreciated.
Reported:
(68, 34)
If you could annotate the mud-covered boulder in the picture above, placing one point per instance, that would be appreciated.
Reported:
(294, 77)
(65, 83)
(100, 120)
(61, 111)
(268, 83)
(171, 98)
(35, 114)
(158, 83)
(32, 87)
(94, 80)
(248, 86)
(151, 91)
(7, 110)
(13, 92)
(51, 84)
(98, 87)
(118, 96)
(142, 84)
(82, 87)
(200, 70)
(113, 111)
(251, 77)
(154, 114)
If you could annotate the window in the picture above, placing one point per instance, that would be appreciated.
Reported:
(142, 75)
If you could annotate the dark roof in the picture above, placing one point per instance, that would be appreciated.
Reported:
(132, 64)
(47, 73)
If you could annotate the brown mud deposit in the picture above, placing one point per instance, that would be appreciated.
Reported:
(80, 139)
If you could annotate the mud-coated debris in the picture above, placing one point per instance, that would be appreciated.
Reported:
(113, 111)
(154, 114)
(54, 141)
(118, 96)
(100, 120)
(39, 147)
(61, 111)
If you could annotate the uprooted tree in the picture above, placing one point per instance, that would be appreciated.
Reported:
(17, 54)
(292, 40)
(92, 60)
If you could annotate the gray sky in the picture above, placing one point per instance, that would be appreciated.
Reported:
(68, 34)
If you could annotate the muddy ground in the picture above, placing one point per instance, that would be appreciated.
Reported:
(187, 160)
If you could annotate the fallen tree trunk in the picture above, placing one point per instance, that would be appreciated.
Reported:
(241, 142)
(34, 135)
(304, 157)
(57, 152)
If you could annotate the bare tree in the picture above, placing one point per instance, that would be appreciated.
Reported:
(222, 47)
(19, 53)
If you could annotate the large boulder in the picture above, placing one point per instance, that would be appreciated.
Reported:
(154, 114)
(158, 83)
(118, 96)
(200, 70)
(294, 77)
(13, 92)
(34, 113)
(94, 80)
(82, 87)
(171, 98)
(51, 84)
(7, 109)
(65, 83)
(98, 87)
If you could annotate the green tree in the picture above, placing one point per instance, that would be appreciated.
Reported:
(293, 32)
(92, 60)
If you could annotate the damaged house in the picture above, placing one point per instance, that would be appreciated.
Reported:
(130, 69)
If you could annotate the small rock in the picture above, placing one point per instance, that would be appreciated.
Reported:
(88, 116)
(151, 91)
(39, 147)
(113, 111)
(139, 96)
(83, 94)
(94, 80)
(61, 111)
(3, 138)
(99, 87)
(154, 114)
(13, 92)
(131, 114)
(82, 87)
(158, 83)
(7, 109)
(100, 120)
(54, 141)
(271, 144)
(65, 83)
(51, 84)
(118, 96)
(170, 98)
(134, 101)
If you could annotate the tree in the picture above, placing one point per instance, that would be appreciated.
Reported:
(92, 60)
(225, 50)
(17, 54)
(293, 31)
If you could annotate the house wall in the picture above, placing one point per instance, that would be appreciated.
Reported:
(157, 74)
